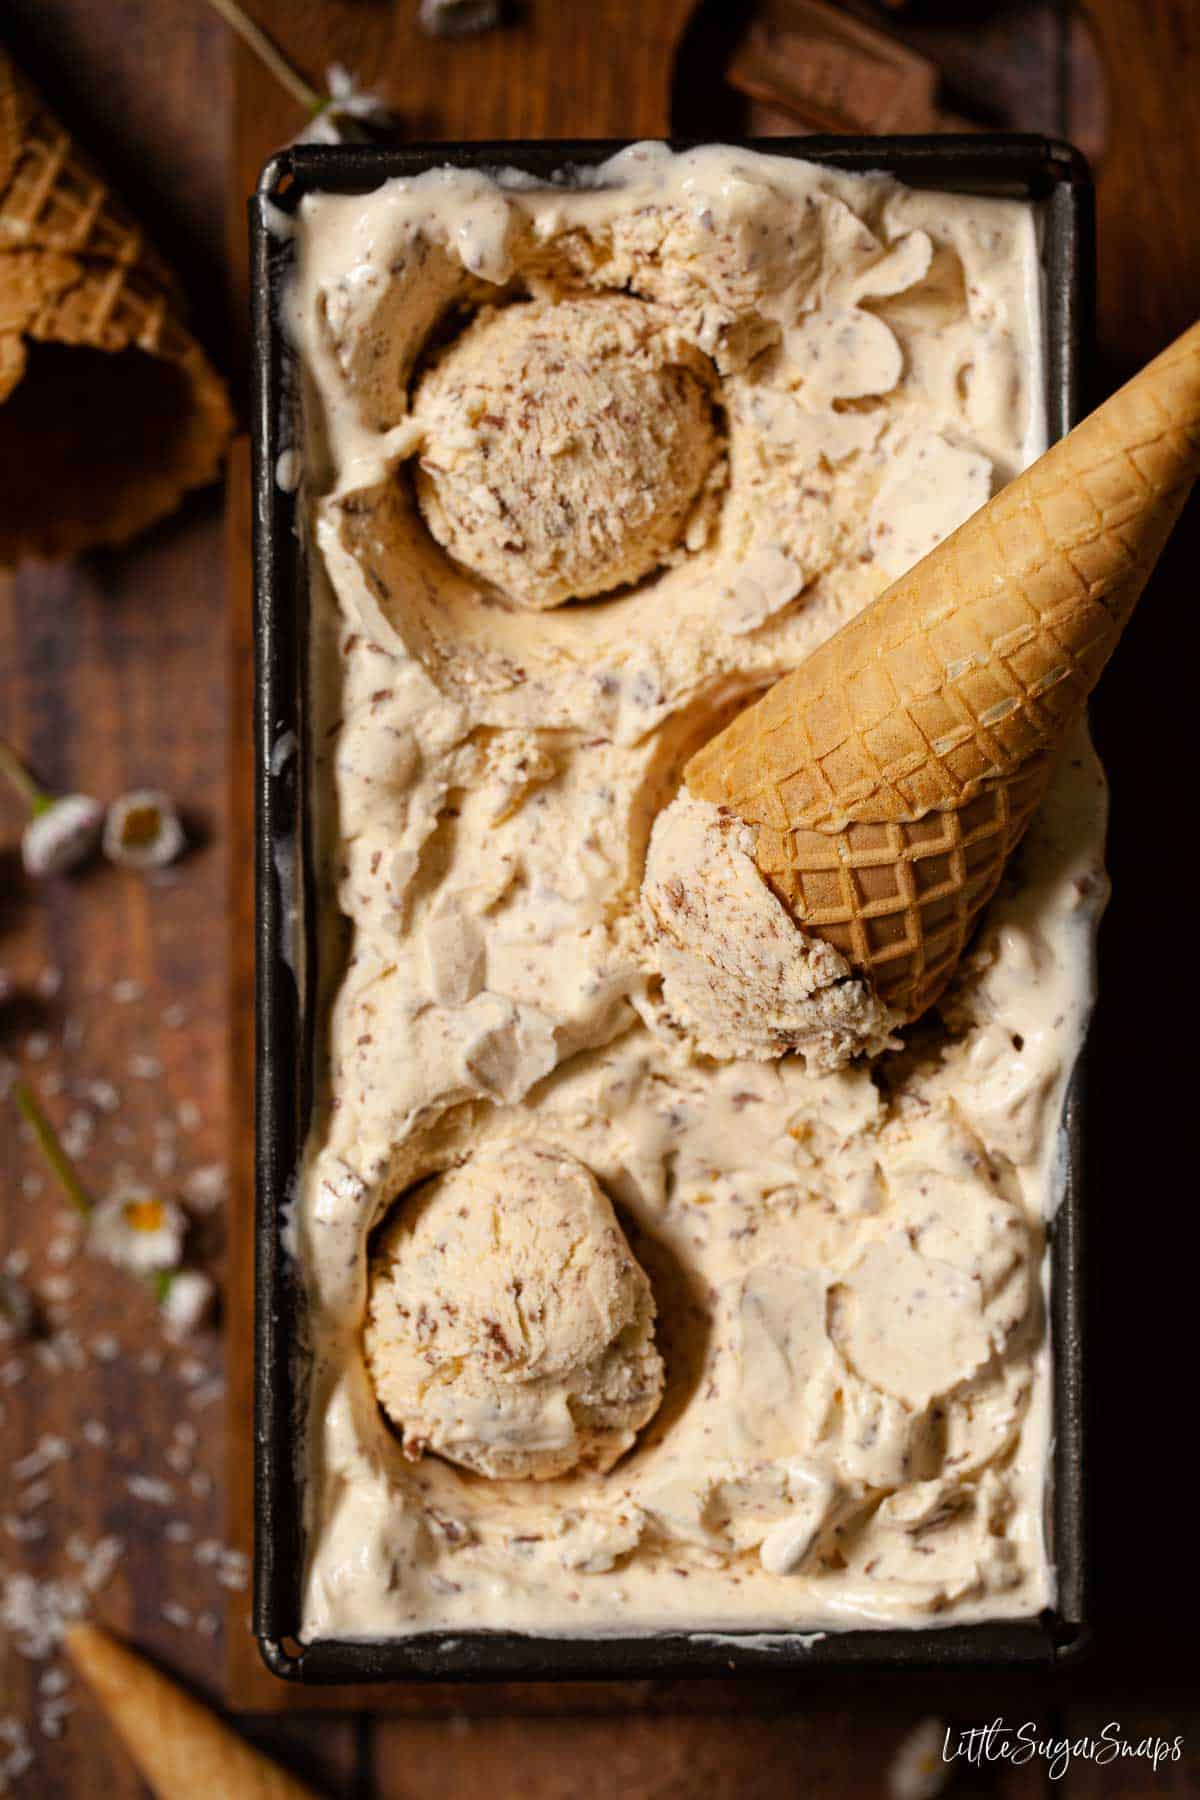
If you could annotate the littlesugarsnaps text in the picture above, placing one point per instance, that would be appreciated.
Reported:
(979, 1745)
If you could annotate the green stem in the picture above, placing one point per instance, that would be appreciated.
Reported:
(57, 1160)
(269, 54)
(35, 797)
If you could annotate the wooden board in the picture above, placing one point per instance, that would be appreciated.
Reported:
(112, 674)
(510, 84)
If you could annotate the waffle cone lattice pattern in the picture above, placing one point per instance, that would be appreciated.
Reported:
(900, 899)
(76, 274)
(52, 198)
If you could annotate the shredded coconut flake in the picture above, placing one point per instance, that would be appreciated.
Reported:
(24, 1531)
(47, 1451)
(102, 1094)
(205, 1395)
(205, 1188)
(150, 1488)
(49, 982)
(34, 1613)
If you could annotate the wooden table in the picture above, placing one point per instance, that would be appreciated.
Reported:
(121, 669)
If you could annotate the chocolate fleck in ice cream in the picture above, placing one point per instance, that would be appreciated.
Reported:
(654, 1280)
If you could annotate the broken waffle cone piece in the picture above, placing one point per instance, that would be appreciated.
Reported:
(181, 1749)
(890, 776)
(109, 410)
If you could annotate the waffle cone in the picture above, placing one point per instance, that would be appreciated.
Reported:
(890, 776)
(181, 1749)
(109, 410)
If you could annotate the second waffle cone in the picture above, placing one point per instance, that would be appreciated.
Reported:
(890, 776)
(109, 410)
(184, 1751)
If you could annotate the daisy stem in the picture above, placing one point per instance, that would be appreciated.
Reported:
(56, 1158)
(269, 53)
(35, 797)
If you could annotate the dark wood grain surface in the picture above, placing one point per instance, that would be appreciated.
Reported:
(121, 669)
(112, 675)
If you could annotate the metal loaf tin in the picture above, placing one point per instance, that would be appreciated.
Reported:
(1049, 173)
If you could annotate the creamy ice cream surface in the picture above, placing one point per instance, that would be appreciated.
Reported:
(588, 465)
(739, 977)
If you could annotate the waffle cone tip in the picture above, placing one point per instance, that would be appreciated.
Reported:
(182, 1750)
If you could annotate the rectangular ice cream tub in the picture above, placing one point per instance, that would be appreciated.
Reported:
(294, 983)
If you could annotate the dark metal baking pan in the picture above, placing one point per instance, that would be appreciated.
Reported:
(1054, 175)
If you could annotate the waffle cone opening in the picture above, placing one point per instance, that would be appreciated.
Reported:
(109, 410)
(90, 442)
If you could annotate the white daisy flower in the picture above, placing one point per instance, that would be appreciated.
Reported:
(346, 114)
(918, 1771)
(138, 1230)
(349, 114)
(63, 829)
(187, 1301)
(62, 835)
(142, 830)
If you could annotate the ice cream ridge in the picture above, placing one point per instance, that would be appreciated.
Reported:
(881, 786)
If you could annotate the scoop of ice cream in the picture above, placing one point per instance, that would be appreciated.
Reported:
(739, 975)
(565, 445)
(510, 1327)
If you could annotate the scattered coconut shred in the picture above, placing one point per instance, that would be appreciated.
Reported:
(38, 1342)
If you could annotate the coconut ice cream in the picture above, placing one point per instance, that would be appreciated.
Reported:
(534, 949)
